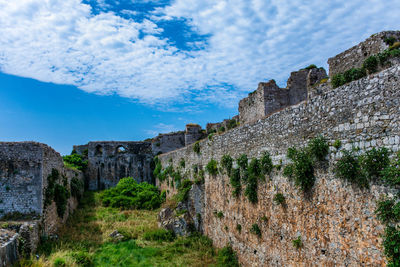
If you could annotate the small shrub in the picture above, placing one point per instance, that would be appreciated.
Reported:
(388, 210)
(337, 144)
(227, 163)
(391, 245)
(354, 74)
(374, 161)
(159, 235)
(210, 137)
(318, 148)
(182, 163)
(235, 182)
(231, 124)
(219, 214)
(61, 195)
(338, 80)
(212, 167)
(279, 199)
(254, 168)
(266, 163)
(390, 40)
(239, 228)
(196, 147)
(242, 161)
(251, 188)
(227, 257)
(75, 161)
(221, 129)
(371, 64)
(183, 190)
(312, 66)
(297, 243)
(77, 188)
(288, 171)
(302, 170)
(255, 229)
(128, 194)
(348, 168)
(391, 173)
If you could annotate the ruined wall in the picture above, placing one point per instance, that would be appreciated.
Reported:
(269, 98)
(21, 177)
(110, 161)
(337, 223)
(164, 143)
(355, 56)
(8, 247)
(193, 133)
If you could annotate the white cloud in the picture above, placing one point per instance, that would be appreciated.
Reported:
(62, 41)
(162, 128)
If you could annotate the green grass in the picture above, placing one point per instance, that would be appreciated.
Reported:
(85, 241)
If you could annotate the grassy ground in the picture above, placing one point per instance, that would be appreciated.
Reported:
(85, 241)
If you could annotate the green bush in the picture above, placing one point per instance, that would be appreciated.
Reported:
(59, 262)
(353, 74)
(279, 199)
(75, 161)
(227, 163)
(231, 124)
(371, 64)
(338, 80)
(302, 170)
(390, 40)
(251, 188)
(374, 161)
(242, 161)
(227, 257)
(219, 214)
(239, 228)
(266, 163)
(348, 168)
(182, 163)
(235, 182)
(255, 229)
(183, 190)
(297, 243)
(159, 235)
(312, 66)
(391, 244)
(391, 173)
(212, 167)
(337, 144)
(318, 148)
(221, 129)
(196, 147)
(254, 168)
(388, 210)
(128, 194)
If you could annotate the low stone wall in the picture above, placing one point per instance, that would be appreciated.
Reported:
(337, 223)
(8, 249)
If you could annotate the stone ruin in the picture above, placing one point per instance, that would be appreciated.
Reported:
(25, 166)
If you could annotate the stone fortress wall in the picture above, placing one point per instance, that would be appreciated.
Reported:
(336, 223)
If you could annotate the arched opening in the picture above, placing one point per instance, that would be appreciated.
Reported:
(99, 150)
(121, 149)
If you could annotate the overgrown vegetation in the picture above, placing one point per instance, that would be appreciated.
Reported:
(196, 147)
(235, 182)
(212, 167)
(279, 199)
(183, 190)
(128, 194)
(266, 163)
(369, 66)
(232, 124)
(85, 241)
(57, 192)
(75, 161)
(255, 229)
(227, 163)
(297, 243)
(227, 257)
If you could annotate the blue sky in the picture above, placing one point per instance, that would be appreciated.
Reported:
(72, 71)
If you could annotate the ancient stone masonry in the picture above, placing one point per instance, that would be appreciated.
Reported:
(193, 133)
(337, 224)
(269, 98)
(164, 143)
(25, 168)
(226, 124)
(109, 161)
(355, 56)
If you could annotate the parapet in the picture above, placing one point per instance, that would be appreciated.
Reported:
(164, 143)
(355, 56)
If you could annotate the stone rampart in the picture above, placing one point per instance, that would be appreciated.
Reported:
(337, 223)
(355, 56)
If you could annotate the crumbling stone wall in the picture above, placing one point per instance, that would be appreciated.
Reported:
(337, 223)
(269, 98)
(193, 133)
(355, 56)
(164, 143)
(110, 161)
(8, 247)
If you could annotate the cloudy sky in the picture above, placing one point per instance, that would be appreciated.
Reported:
(78, 70)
